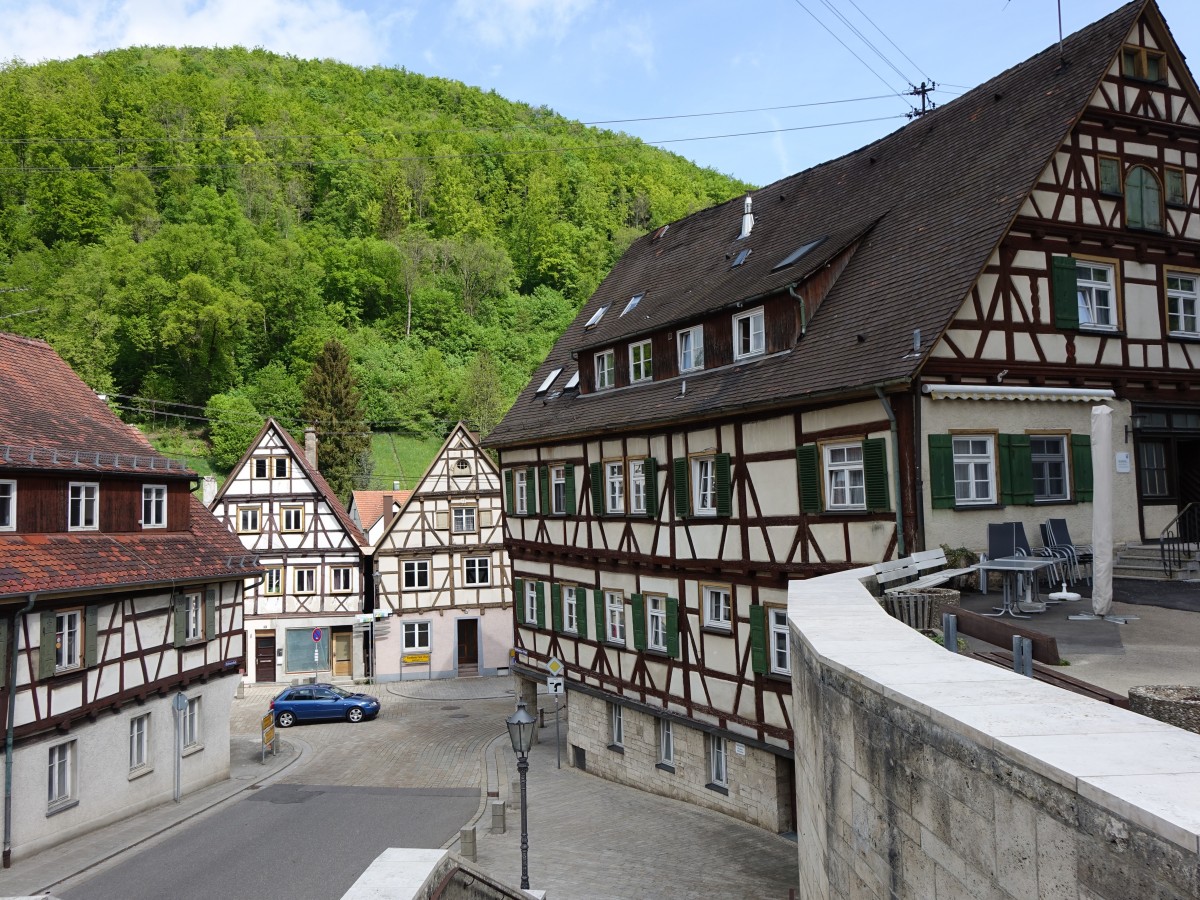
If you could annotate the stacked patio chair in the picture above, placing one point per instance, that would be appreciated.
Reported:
(1056, 536)
(1008, 539)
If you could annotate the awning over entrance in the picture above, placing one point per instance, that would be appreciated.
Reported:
(1000, 392)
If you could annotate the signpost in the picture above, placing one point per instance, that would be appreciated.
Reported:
(180, 705)
(316, 634)
(268, 736)
(556, 688)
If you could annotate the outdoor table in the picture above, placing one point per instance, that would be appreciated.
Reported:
(1012, 568)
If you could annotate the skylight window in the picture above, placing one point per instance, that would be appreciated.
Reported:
(573, 382)
(549, 380)
(596, 317)
(633, 301)
(796, 254)
(740, 258)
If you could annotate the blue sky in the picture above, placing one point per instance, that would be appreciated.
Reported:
(604, 60)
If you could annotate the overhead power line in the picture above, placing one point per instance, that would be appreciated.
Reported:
(862, 37)
(893, 43)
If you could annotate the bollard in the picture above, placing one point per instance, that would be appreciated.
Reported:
(950, 631)
(514, 794)
(466, 847)
(497, 817)
(1022, 656)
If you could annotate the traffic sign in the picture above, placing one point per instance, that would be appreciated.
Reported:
(316, 635)
(554, 686)
(555, 666)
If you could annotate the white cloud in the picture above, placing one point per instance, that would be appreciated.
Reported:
(515, 23)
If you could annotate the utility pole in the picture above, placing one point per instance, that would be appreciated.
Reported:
(923, 92)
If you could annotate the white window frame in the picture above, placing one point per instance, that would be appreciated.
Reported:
(968, 461)
(641, 362)
(464, 519)
(596, 317)
(718, 761)
(154, 506)
(614, 617)
(1044, 459)
(192, 735)
(704, 486)
(690, 342)
(416, 637)
(614, 486)
(606, 369)
(780, 640)
(8, 505)
(273, 580)
(656, 622)
(531, 602)
(139, 742)
(718, 606)
(60, 781)
(477, 571)
(637, 487)
(558, 490)
(1183, 304)
(249, 519)
(616, 725)
(83, 506)
(193, 616)
(666, 742)
(415, 574)
(749, 334)
(304, 580)
(341, 579)
(845, 477)
(1097, 299)
(68, 639)
(570, 600)
(520, 494)
(291, 519)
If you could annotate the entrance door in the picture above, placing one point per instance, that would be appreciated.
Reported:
(468, 646)
(342, 662)
(264, 657)
(1187, 455)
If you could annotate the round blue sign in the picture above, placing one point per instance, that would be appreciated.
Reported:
(316, 635)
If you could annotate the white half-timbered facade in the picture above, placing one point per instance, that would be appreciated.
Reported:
(300, 615)
(443, 572)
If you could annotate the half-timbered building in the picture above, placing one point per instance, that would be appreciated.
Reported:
(443, 572)
(885, 352)
(300, 614)
(120, 612)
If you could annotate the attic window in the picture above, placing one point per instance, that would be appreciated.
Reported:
(549, 380)
(573, 381)
(596, 317)
(796, 254)
(1143, 64)
(740, 258)
(633, 301)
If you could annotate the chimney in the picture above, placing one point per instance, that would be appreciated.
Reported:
(395, 485)
(208, 489)
(310, 445)
(388, 512)
(747, 220)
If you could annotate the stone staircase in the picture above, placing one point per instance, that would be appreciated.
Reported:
(1143, 562)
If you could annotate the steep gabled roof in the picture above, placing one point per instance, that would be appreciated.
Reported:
(371, 504)
(926, 206)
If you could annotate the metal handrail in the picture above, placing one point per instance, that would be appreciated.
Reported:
(1173, 540)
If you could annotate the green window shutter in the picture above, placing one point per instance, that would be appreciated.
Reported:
(540, 589)
(581, 611)
(531, 491)
(758, 639)
(46, 646)
(724, 497)
(544, 487)
(4, 651)
(1065, 285)
(1081, 466)
(179, 611)
(510, 507)
(810, 479)
(597, 490)
(639, 621)
(680, 486)
(569, 477)
(650, 468)
(673, 627)
(210, 614)
(519, 599)
(601, 622)
(556, 610)
(941, 471)
(875, 474)
(91, 616)
(1016, 470)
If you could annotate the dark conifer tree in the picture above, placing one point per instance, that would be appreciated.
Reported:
(333, 404)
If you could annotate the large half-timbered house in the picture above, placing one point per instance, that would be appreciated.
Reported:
(120, 612)
(300, 615)
(885, 352)
(443, 572)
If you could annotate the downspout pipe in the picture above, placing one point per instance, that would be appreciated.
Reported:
(803, 310)
(887, 408)
(8, 732)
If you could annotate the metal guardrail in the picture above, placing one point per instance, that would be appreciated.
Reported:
(1179, 539)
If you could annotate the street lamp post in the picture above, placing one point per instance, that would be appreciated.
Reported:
(520, 732)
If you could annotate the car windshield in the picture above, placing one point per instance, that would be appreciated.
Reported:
(340, 692)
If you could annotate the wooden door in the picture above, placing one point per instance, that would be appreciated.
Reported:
(468, 643)
(264, 658)
(341, 653)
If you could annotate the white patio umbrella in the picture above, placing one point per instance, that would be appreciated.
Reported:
(1102, 509)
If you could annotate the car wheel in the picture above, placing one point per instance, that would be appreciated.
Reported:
(354, 714)
(285, 719)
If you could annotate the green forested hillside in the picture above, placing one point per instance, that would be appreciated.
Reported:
(184, 223)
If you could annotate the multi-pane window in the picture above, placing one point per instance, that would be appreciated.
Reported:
(717, 606)
(279, 466)
(520, 491)
(416, 636)
(641, 361)
(1173, 181)
(154, 506)
(1143, 64)
(66, 639)
(704, 486)
(192, 733)
(616, 725)
(464, 518)
(1182, 305)
(1152, 468)
(1110, 175)
(273, 582)
(8, 505)
(781, 661)
(83, 508)
(260, 467)
(637, 487)
(691, 348)
(416, 574)
(248, 519)
(342, 578)
(718, 774)
(61, 779)
(477, 570)
(666, 743)
(1048, 454)
(531, 604)
(304, 581)
(1095, 291)
(974, 469)
(606, 369)
(570, 599)
(139, 740)
(614, 616)
(1143, 199)
(656, 623)
(748, 334)
(558, 490)
(293, 518)
(193, 621)
(845, 486)
(614, 486)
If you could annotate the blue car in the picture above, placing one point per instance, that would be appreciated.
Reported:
(321, 702)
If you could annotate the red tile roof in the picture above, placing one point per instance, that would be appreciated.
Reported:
(370, 504)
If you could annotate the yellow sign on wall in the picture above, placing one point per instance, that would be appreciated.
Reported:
(412, 659)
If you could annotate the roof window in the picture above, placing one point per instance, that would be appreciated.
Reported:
(573, 381)
(740, 258)
(796, 254)
(596, 317)
(659, 233)
(549, 380)
(633, 301)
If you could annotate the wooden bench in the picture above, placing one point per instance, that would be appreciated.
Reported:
(1055, 676)
(926, 568)
(1000, 634)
